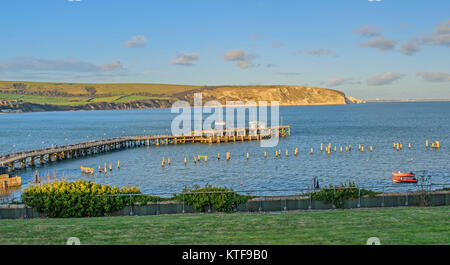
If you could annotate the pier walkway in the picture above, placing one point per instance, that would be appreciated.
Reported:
(20, 160)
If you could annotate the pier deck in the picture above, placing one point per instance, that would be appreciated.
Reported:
(20, 160)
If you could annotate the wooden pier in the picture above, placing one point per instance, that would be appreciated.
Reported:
(20, 160)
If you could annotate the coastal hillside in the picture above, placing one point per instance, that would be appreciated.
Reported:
(18, 96)
(285, 95)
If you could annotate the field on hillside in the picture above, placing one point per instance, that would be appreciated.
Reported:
(81, 94)
(425, 225)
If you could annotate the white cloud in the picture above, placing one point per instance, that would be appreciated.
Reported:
(31, 66)
(368, 31)
(186, 59)
(384, 79)
(244, 64)
(320, 51)
(114, 65)
(242, 59)
(434, 76)
(255, 37)
(380, 43)
(237, 55)
(289, 73)
(442, 28)
(20, 64)
(409, 48)
(440, 35)
(276, 44)
(138, 41)
(337, 81)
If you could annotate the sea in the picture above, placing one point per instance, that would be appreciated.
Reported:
(372, 124)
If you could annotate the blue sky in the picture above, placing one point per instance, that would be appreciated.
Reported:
(368, 49)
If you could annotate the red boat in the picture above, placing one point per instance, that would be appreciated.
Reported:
(403, 174)
(402, 177)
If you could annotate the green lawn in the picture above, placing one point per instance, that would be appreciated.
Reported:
(78, 94)
(73, 100)
(430, 225)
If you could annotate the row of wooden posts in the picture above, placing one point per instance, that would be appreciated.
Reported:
(399, 146)
(348, 148)
(277, 154)
(434, 145)
(87, 170)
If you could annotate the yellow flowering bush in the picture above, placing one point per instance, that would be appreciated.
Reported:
(80, 198)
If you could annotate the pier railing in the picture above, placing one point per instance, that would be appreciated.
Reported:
(26, 158)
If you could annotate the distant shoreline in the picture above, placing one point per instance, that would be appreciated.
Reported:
(281, 105)
(405, 100)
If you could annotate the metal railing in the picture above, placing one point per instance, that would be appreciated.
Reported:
(287, 199)
(22, 154)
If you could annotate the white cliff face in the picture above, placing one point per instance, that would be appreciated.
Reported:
(352, 100)
(285, 95)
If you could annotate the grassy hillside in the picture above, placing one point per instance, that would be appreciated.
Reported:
(83, 93)
(76, 96)
(425, 225)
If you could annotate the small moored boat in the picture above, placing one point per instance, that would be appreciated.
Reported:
(7, 180)
(404, 177)
(403, 174)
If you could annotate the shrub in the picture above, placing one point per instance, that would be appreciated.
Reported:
(338, 193)
(80, 198)
(221, 199)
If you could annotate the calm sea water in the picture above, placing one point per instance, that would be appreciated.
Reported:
(376, 124)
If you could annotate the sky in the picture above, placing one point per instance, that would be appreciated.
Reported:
(387, 49)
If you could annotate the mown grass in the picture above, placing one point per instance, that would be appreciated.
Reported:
(426, 225)
(73, 100)
(78, 94)
(102, 89)
(46, 99)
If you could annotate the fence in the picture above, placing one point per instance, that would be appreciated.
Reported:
(301, 199)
